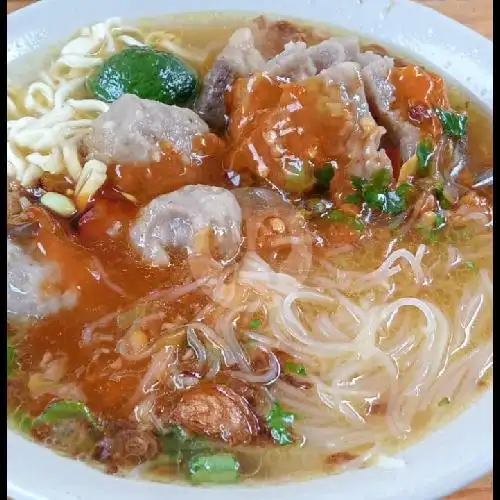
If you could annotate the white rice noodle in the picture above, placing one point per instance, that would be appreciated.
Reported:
(365, 368)
(268, 377)
(226, 326)
(160, 366)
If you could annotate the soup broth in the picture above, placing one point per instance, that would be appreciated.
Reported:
(300, 286)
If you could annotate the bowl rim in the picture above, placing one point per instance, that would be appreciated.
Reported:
(466, 57)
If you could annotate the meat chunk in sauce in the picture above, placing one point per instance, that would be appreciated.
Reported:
(218, 412)
(238, 58)
(363, 142)
(285, 131)
(241, 54)
(298, 61)
(188, 218)
(27, 286)
(134, 130)
(403, 99)
(211, 104)
(380, 93)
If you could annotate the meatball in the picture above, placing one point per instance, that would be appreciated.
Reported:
(182, 218)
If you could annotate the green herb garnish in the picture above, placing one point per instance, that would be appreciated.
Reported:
(454, 124)
(336, 216)
(424, 152)
(291, 367)
(62, 410)
(324, 175)
(254, 324)
(350, 220)
(218, 468)
(178, 446)
(279, 422)
(378, 196)
(444, 402)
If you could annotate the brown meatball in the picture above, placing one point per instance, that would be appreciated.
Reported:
(217, 411)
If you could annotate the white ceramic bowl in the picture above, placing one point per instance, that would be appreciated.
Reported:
(448, 458)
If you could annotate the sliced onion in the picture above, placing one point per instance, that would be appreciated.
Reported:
(266, 378)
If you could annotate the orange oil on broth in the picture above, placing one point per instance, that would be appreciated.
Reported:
(173, 171)
(274, 123)
(109, 276)
(417, 94)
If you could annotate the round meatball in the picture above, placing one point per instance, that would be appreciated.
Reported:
(188, 218)
(26, 278)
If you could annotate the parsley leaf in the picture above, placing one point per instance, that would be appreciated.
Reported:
(355, 198)
(378, 196)
(424, 152)
(454, 124)
(291, 367)
(358, 182)
(279, 422)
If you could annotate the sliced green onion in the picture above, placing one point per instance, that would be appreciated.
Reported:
(444, 402)
(178, 446)
(218, 468)
(62, 410)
